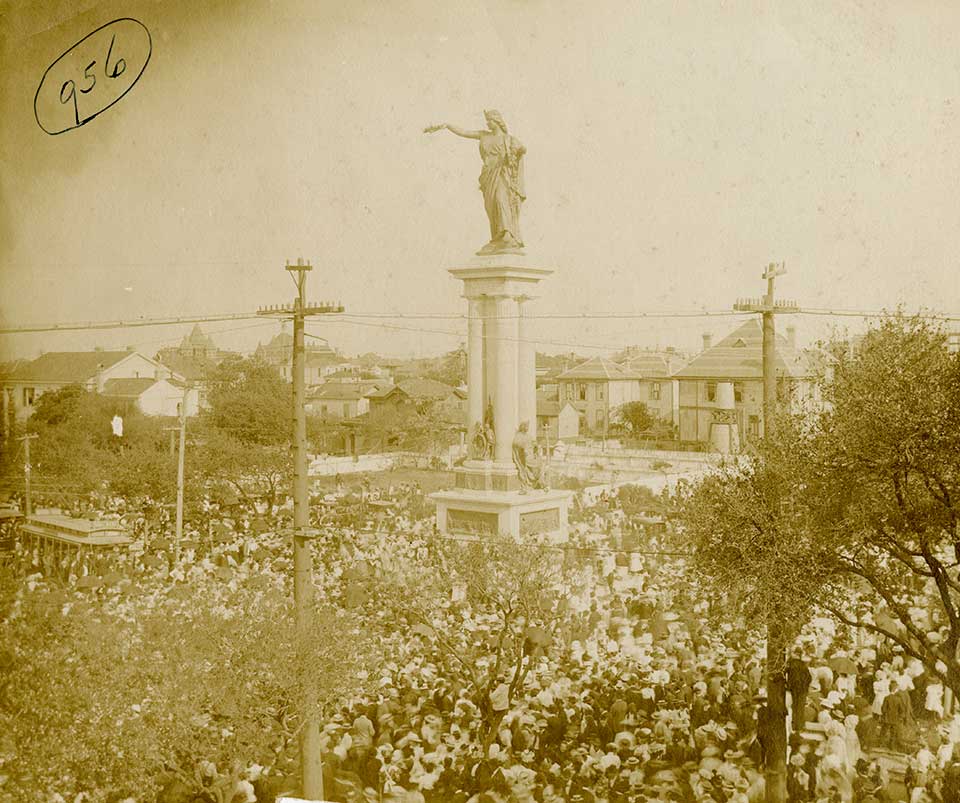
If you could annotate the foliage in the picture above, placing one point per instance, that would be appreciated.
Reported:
(77, 452)
(752, 544)
(451, 370)
(886, 471)
(408, 427)
(636, 417)
(249, 400)
(521, 588)
(196, 675)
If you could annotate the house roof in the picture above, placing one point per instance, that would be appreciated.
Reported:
(599, 368)
(420, 389)
(740, 356)
(66, 367)
(550, 408)
(193, 369)
(341, 391)
(652, 364)
(127, 388)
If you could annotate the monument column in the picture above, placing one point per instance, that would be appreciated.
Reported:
(527, 369)
(475, 400)
(504, 325)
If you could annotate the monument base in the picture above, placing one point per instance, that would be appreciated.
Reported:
(478, 513)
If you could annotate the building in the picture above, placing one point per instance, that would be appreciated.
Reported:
(658, 389)
(321, 359)
(340, 400)
(90, 369)
(596, 388)
(737, 360)
(154, 396)
(557, 421)
(199, 346)
(448, 402)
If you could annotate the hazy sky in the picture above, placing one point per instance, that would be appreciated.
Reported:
(673, 149)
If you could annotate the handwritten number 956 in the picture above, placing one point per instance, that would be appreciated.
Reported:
(70, 87)
(71, 95)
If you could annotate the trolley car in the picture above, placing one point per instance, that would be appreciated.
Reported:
(60, 545)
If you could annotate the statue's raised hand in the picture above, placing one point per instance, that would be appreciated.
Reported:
(431, 129)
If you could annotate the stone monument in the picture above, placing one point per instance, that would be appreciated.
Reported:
(499, 489)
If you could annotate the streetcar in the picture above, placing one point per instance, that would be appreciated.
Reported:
(61, 545)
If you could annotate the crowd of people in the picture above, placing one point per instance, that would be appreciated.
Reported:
(644, 693)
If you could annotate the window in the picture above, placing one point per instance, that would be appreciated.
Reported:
(754, 426)
(28, 396)
(570, 391)
(599, 419)
(346, 409)
(711, 391)
(582, 391)
(655, 391)
(600, 392)
(738, 391)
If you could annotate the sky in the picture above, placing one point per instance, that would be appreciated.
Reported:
(673, 150)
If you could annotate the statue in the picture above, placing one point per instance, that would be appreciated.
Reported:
(501, 181)
(530, 474)
(482, 439)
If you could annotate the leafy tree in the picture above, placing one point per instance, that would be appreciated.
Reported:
(194, 683)
(249, 400)
(886, 471)
(760, 558)
(636, 417)
(491, 606)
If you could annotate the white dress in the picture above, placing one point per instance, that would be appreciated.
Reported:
(934, 700)
(881, 688)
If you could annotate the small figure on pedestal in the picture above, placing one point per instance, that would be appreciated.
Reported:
(501, 181)
(528, 470)
(482, 439)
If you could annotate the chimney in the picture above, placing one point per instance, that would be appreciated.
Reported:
(707, 340)
(792, 336)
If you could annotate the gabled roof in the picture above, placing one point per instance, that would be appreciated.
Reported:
(127, 388)
(419, 389)
(193, 369)
(426, 389)
(66, 367)
(341, 391)
(550, 408)
(599, 368)
(740, 356)
(651, 365)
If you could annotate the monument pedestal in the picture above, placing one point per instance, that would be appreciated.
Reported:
(479, 513)
(501, 393)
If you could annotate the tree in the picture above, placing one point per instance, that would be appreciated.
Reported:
(251, 401)
(491, 606)
(760, 556)
(886, 471)
(636, 416)
(192, 682)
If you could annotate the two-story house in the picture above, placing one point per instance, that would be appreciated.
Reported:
(596, 388)
(658, 388)
(737, 359)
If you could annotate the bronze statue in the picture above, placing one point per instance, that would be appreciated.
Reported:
(482, 438)
(529, 472)
(501, 181)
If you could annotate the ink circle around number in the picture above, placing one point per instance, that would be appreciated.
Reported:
(101, 69)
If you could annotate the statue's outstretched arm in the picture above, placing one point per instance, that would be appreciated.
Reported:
(460, 132)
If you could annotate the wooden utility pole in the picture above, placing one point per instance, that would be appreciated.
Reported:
(776, 720)
(27, 469)
(311, 767)
(180, 458)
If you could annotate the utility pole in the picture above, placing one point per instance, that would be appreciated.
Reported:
(27, 468)
(311, 767)
(776, 771)
(180, 458)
